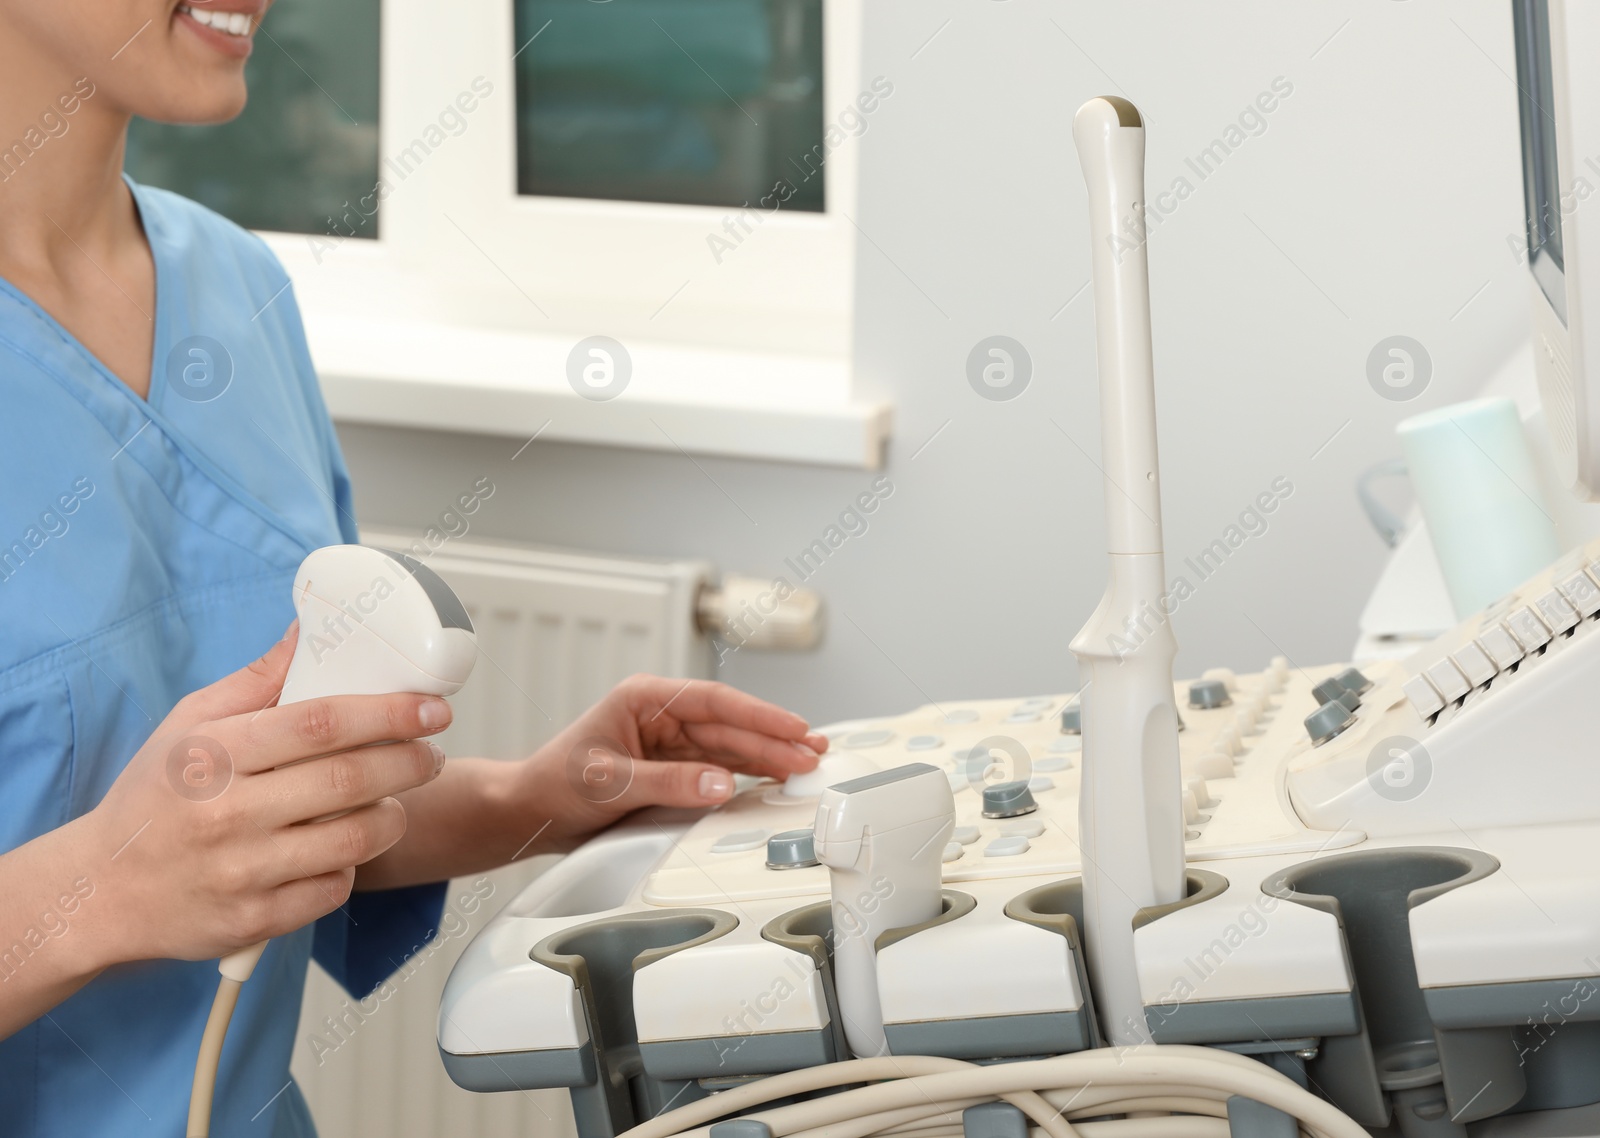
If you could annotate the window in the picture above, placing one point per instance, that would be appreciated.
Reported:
(308, 140)
(673, 174)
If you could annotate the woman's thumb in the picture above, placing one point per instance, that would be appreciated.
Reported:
(680, 784)
(252, 687)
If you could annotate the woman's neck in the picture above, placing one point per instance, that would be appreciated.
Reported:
(61, 151)
(70, 233)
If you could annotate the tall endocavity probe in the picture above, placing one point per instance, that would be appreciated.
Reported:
(1130, 814)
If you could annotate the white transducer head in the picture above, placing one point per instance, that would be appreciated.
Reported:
(882, 837)
(373, 622)
(1109, 135)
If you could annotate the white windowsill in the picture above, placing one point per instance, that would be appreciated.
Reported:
(680, 398)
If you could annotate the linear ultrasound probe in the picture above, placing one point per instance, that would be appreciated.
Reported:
(372, 622)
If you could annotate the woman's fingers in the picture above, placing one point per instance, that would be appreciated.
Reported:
(677, 784)
(750, 751)
(314, 727)
(338, 843)
(706, 701)
(297, 903)
(345, 781)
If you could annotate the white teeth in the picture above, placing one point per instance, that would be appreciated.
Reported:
(234, 23)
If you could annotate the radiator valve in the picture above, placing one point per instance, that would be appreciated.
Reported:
(748, 612)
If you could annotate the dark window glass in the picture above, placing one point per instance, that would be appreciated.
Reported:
(701, 102)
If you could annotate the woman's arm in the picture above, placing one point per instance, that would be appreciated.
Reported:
(469, 823)
(651, 742)
(54, 936)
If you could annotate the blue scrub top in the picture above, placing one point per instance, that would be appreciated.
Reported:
(147, 549)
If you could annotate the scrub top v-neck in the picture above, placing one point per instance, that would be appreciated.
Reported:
(147, 547)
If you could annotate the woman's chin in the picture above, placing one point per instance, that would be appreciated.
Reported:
(217, 103)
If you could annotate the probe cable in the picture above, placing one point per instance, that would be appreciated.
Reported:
(922, 1096)
(235, 968)
(205, 1064)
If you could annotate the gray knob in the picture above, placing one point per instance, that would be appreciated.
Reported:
(1209, 693)
(1008, 799)
(1072, 720)
(1327, 721)
(1353, 680)
(1330, 690)
(792, 849)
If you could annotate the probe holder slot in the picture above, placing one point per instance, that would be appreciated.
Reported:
(809, 931)
(1433, 1080)
(1058, 907)
(602, 957)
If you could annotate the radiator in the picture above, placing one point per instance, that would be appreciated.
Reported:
(556, 630)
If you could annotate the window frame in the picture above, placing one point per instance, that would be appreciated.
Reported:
(458, 247)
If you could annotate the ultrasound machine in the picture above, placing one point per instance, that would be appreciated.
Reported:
(1335, 900)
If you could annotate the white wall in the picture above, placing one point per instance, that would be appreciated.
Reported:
(1377, 201)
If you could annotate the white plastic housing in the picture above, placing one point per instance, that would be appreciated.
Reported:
(1131, 823)
(369, 626)
(1433, 751)
(882, 838)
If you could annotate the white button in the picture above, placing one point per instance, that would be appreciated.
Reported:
(1006, 847)
(860, 739)
(964, 715)
(1475, 664)
(923, 742)
(1050, 764)
(1025, 715)
(1037, 703)
(1224, 674)
(952, 851)
(974, 763)
(1245, 720)
(1071, 745)
(1028, 828)
(1422, 696)
(1500, 646)
(739, 841)
(1449, 681)
(1191, 808)
(1213, 765)
(1228, 740)
(964, 835)
(1202, 795)
(1528, 629)
(1581, 591)
(1555, 611)
(1040, 783)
